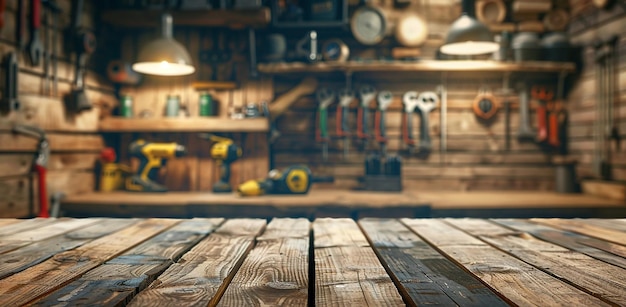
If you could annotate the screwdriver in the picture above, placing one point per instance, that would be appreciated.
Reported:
(324, 97)
(343, 128)
(384, 99)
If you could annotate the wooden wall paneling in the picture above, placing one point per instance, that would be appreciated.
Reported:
(16, 195)
(582, 99)
(73, 138)
(478, 150)
(20, 164)
(59, 142)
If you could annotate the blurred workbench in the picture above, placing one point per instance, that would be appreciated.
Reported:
(342, 203)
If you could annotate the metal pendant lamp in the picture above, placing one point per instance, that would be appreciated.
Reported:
(468, 36)
(164, 56)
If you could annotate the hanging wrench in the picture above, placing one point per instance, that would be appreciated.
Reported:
(343, 112)
(426, 102)
(409, 99)
(524, 131)
(367, 93)
(325, 97)
(384, 99)
(34, 45)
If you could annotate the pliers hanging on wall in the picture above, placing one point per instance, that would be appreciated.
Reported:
(384, 99)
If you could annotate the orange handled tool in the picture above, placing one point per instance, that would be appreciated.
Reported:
(543, 95)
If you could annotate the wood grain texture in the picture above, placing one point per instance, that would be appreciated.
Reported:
(520, 283)
(39, 251)
(16, 240)
(569, 240)
(20, 164)
(423, 276)
(578, 226)
(201, 276)
(39, 280)
(6, 222)
(578, 269)
(58, 142)
(275, 272)
(347, 271)
(17, 195)
(24, 225)
(119, 279)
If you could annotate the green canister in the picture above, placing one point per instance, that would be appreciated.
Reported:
(172, 106)
(206, 105)
(126, 106)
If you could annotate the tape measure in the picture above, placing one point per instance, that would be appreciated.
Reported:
(335, 50)
(485, 106)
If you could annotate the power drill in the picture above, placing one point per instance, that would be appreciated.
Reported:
(151, 158)
(295, 179)
(225, 152)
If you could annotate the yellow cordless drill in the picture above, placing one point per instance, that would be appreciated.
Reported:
(296, 179)
(225, 152)
(151, 158)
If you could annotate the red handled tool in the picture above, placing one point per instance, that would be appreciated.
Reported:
(35, 48)
(343, 112)
(409, 100)
(384, 99)
(556, 116)
(367, 93)
(325, 98)
(40, 162)
(543, 95)
(3, 6)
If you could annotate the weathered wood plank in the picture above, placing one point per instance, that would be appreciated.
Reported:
(424, 276)
(616, 224)
(119, 279)
(39, 280)
(32, 254)
(518, 282)
(25, 225)
(579, 226)
(58, 142)
(347, 271)
(16, 240)
(276, 271)
(570, 240)
(202, 274)
(6, 222)
(593, 276)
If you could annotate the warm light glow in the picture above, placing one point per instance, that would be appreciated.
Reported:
(163, 68)
(470, 48)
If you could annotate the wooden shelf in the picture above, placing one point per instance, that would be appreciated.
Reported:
(190, 124)
(421, 66)
(151, 18)
(213, 85)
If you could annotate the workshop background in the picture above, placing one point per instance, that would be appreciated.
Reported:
(476, 156)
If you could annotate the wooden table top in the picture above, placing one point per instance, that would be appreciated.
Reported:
(324, 262)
